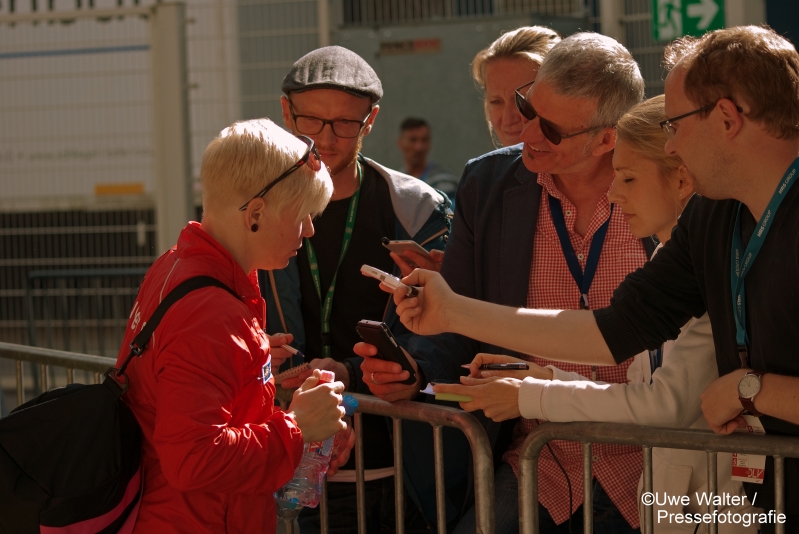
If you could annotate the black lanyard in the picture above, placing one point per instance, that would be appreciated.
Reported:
(582, 279)
(326, 305)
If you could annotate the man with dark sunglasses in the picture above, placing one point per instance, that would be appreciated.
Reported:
(331, 99)
(534, 227)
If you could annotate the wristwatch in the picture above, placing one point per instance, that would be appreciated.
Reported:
(748, 387)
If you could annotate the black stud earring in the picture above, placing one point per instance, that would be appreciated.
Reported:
(254, 227)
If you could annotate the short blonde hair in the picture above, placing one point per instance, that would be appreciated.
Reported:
(640, 128)
(248, 155)
(747, 63)
(527, 42)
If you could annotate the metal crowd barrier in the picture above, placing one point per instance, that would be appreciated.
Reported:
(438, 416)
(779, 447)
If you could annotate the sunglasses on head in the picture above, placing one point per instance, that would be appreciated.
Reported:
(550, 132)
(311, 157)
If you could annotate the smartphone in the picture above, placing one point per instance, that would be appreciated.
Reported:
(380, 336)
(401, 247)
(391, 281)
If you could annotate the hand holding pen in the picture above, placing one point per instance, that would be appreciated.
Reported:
(487, 365)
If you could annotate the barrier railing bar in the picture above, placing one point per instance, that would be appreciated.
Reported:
(649, 512)
(588, 499)
(43, 376)
(324, 520)
(478, 440)
(441, 505)
(399, 489)
(60, 358)
(70, 376)
(779, 491)
(712, 487)
(360, 497)
(20, 384)
(438, 416)
(624, 434)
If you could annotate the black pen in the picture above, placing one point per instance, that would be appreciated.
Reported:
(505, 367)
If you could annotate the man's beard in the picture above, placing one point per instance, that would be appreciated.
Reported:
(348, 159)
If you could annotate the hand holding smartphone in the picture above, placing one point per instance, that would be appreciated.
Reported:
(391, 281)
(380, 336)
(400, 247)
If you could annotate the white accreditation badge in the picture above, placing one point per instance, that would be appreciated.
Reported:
(749, 467)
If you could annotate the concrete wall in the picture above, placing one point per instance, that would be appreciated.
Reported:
(435, 86)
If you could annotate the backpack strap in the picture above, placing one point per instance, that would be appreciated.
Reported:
(139, 343)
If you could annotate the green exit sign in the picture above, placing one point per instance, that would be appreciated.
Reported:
(674, 18)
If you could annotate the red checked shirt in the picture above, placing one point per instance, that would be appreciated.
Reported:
(551, 286)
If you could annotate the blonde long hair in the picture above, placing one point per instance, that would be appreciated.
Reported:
(640, 128)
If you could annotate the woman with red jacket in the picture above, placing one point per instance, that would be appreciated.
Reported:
(215, 448)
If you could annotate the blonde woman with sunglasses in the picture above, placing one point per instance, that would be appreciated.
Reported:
(214, 446)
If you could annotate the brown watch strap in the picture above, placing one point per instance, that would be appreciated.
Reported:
(749, 404)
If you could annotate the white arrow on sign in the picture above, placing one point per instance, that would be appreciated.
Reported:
(706, 9)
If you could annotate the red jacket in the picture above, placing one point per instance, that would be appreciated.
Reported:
(215, 448)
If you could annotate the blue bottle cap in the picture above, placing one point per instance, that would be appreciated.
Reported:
(350, 405)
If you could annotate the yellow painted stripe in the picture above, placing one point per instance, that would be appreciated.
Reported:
(118, 189)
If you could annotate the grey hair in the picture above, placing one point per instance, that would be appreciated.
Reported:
(590, 65)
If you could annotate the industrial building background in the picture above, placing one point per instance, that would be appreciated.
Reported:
(107, 106)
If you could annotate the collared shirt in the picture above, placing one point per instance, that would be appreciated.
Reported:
(551, 286)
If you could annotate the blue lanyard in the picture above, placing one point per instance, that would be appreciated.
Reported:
(583, 279)
(741, 260)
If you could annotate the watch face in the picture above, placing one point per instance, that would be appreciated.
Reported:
(748, 386)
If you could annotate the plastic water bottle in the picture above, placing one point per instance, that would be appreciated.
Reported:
(305, 488)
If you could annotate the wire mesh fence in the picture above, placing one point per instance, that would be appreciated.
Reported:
(637, 21)
(388, 12)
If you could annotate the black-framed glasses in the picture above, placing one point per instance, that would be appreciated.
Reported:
(550, 132)
(311, 157)
(668, 124)
(309, 125)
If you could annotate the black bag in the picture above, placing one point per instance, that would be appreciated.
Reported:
(70, 459)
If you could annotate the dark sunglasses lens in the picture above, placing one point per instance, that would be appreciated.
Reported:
(552, 135)
(524, 107)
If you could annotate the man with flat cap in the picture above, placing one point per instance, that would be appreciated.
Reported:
(330, 96)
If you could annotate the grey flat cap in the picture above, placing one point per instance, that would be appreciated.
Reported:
(333, 67)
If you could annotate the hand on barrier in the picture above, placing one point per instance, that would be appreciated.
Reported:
(276, 351)
(720, 404)
(385, 378)
(315, 408)
(325, 364)
(345, 441)
(410, 260)
(427, 313)
(534, 370)
(497, 397)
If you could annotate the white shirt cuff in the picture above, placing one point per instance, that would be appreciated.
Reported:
(530, 394)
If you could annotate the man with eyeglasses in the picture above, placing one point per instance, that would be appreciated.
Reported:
(536, 230)
(331, 97)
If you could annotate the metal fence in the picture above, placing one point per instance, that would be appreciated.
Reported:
(392, 12)
(636, 20)
(648, 437)
(586, 433)
(437, 416)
